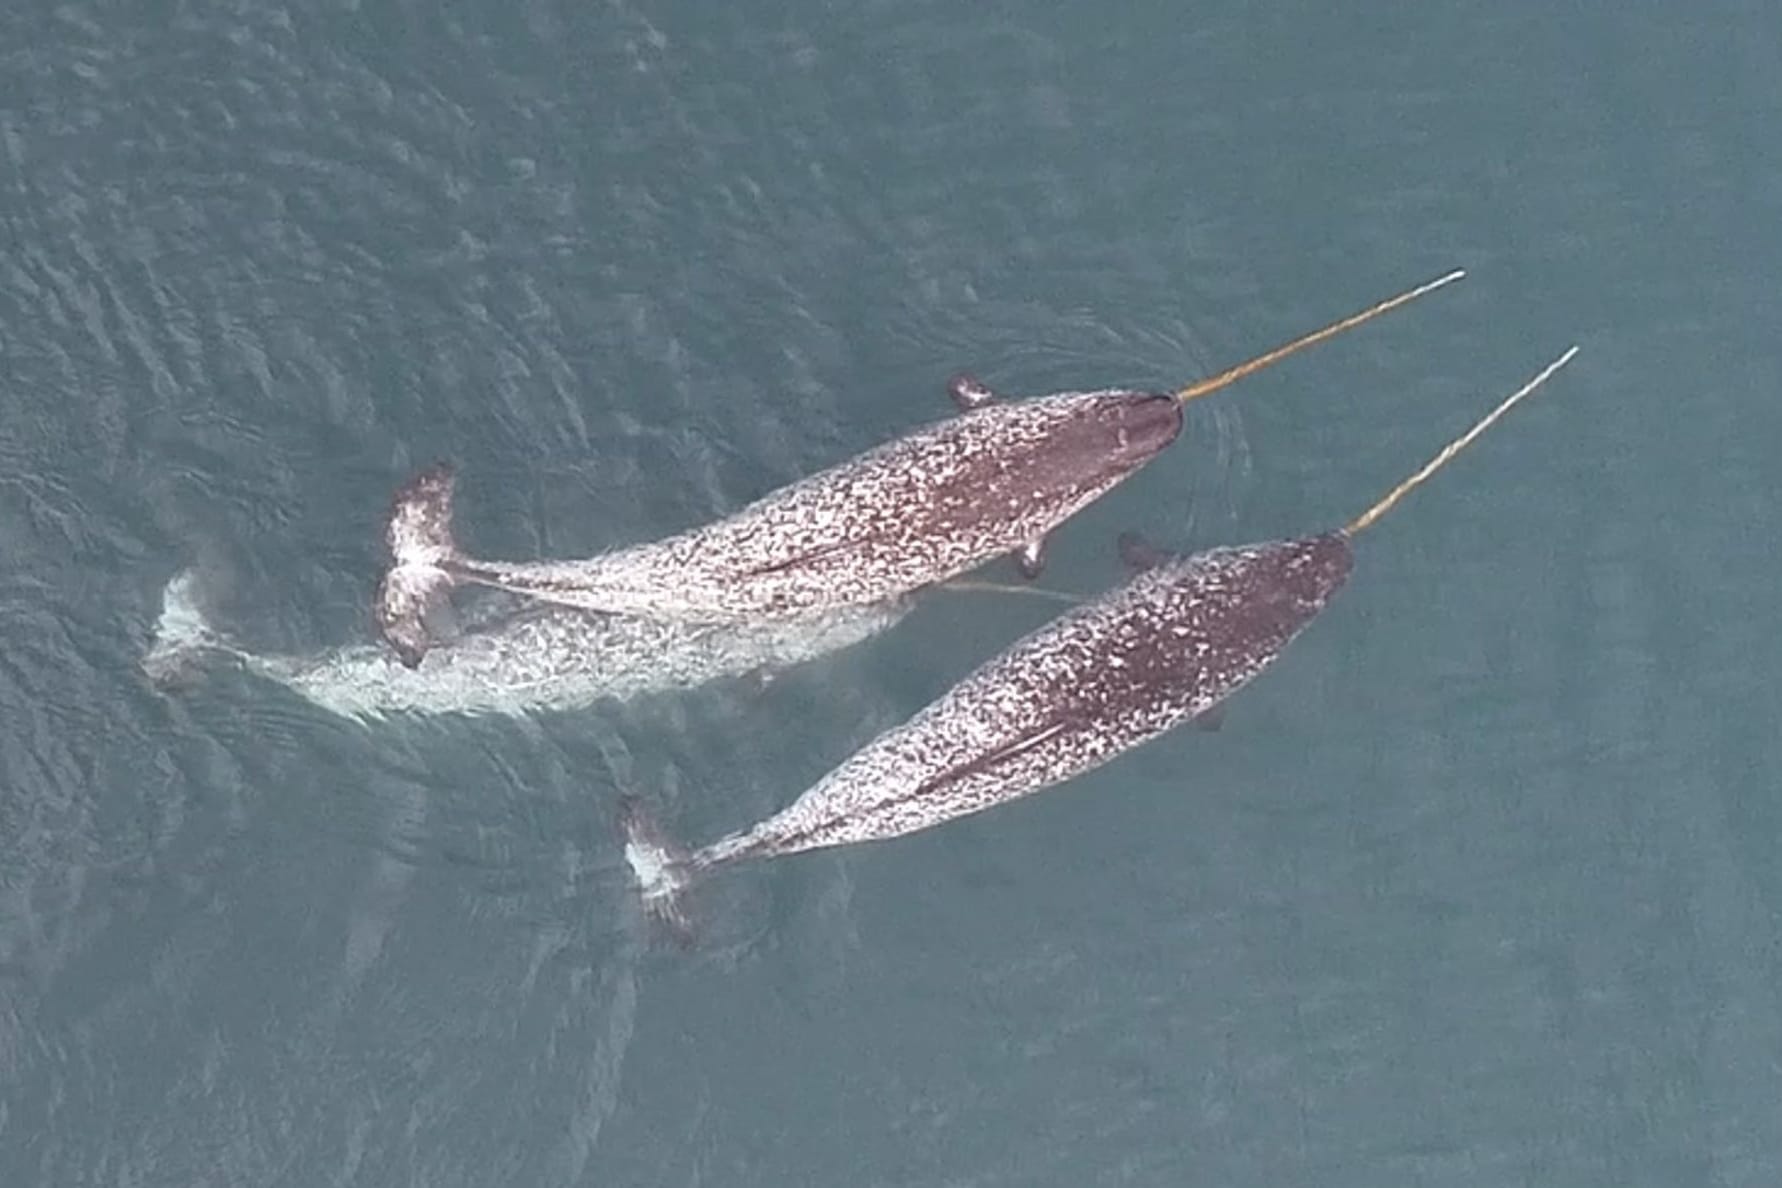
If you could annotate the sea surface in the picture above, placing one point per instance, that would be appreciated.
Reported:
(1481, 885)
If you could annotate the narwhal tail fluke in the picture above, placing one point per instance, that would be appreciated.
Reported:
(415, 589)
(662, 868)
(183, 637)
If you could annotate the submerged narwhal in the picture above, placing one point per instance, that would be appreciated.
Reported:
(512, 656)
(509, 655)
(1167, 646)
(920, 509)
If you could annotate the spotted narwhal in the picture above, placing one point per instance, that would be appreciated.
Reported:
(992, 480)
(1166, 647)
(513, 657)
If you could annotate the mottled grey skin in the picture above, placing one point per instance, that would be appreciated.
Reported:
(1169, 645)
(911, 513)
(516, 660)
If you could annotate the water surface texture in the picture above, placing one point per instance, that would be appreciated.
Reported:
(1480, 886)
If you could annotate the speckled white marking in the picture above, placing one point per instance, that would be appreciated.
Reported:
(1097, 681)
(540, 658)
(915, 511)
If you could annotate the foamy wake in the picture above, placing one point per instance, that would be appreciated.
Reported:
(659, 866)
(183, 633)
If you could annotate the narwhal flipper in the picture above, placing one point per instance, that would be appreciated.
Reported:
(412, 605)
(968, 393)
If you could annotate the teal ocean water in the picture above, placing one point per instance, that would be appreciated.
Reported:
(1480, 885)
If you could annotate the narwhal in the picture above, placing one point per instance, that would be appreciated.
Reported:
(512, 656)
(915, 511)
(1166, 647)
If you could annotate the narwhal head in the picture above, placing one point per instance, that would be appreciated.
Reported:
(1312, 569)
(1120, 431)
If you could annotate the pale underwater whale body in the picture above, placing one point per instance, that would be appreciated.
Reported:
(513, 656)
(995, 479)
(1168, 646)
